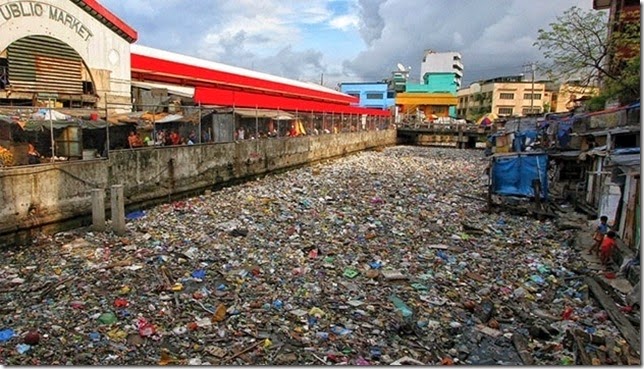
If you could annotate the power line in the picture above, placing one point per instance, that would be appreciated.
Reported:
(492, 68)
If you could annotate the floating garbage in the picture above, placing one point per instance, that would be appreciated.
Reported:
(364, 260)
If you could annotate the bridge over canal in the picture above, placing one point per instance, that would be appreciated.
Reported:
(459, 135)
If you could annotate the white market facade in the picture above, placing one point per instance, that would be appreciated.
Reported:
(76, 52)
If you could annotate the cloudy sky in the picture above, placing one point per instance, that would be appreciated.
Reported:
(346, 40)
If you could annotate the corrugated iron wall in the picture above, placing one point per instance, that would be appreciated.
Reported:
(44, 64)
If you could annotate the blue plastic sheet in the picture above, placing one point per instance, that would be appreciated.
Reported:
(6, 334)
(513, 175)
(135, 215)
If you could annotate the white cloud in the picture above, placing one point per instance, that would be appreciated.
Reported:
(458, 39)
(344, 22)
(263, 34)
(494, 36)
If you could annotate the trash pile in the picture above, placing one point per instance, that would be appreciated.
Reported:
(371, 259)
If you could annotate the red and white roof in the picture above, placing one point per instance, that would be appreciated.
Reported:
(108, 18)
(221, 84)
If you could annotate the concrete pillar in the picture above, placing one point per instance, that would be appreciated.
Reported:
(118, 210)
(98, 209)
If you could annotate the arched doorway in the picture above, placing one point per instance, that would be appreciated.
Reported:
(41, 64)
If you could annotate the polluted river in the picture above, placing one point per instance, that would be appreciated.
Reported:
(382, 257)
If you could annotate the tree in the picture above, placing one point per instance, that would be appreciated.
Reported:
(578, 46)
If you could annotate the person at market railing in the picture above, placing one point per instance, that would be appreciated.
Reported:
(134, 140)
(175, 138)
(160, 138)
(33, 155)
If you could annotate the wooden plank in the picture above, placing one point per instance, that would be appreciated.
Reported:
(630, 335)
(581, 350)
(521, 344)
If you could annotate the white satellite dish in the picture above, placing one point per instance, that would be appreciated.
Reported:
(401, 67)
(475, 88)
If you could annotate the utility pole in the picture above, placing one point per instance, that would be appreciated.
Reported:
(533, 68)
(532, 94)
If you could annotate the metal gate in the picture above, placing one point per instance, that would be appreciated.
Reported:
(44, 64)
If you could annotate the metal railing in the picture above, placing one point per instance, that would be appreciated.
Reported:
(51, 133)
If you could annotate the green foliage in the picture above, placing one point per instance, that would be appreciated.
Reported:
(578, 46)
(596, 103)
(477, 112)
(627, 88)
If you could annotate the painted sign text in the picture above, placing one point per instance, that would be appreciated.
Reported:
(22, 9)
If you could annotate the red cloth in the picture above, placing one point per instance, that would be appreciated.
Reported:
(606, 249)
(607, 245)
(175, 138)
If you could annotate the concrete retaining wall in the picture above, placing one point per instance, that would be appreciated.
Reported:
(49, 193)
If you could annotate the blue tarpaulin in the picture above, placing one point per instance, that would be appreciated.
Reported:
(512, 175)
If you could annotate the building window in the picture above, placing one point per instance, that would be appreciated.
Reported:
(374, 95)
(354, 94)
(390, 95)
(532, 96)
(526, 111)
(506, 96)
(505, 111)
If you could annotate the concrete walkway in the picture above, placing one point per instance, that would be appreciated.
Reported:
(584, 239)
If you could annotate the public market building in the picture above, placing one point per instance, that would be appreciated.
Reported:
(68, 67)
(82, 55)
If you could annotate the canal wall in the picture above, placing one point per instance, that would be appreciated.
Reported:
(32, 197)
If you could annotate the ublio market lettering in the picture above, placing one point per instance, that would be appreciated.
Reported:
(67, 19)
(23, 9)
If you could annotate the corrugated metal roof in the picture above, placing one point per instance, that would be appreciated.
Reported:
(98, 11)
(192, 61)
(612, 131)
(629, 164)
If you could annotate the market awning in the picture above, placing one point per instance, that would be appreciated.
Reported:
(184, 91)
(264, 113)
(170, 118)
(40, 125)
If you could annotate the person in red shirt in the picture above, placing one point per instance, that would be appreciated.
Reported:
(606, 248)
(175, 138)
(134, 140)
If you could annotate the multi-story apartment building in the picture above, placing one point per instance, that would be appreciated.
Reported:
(436, 96)
(504, 96)
(376, 95)
(508, 96)
(446, 62)
(567, 96)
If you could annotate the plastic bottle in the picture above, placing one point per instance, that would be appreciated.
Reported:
(401, 306)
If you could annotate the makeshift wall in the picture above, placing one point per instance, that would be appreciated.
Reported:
(38, 195)
(513, 174)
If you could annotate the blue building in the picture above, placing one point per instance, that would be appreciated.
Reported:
(436, 84)
(375, 95)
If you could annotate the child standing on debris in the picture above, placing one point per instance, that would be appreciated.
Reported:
(606, 249)
(598, 235)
